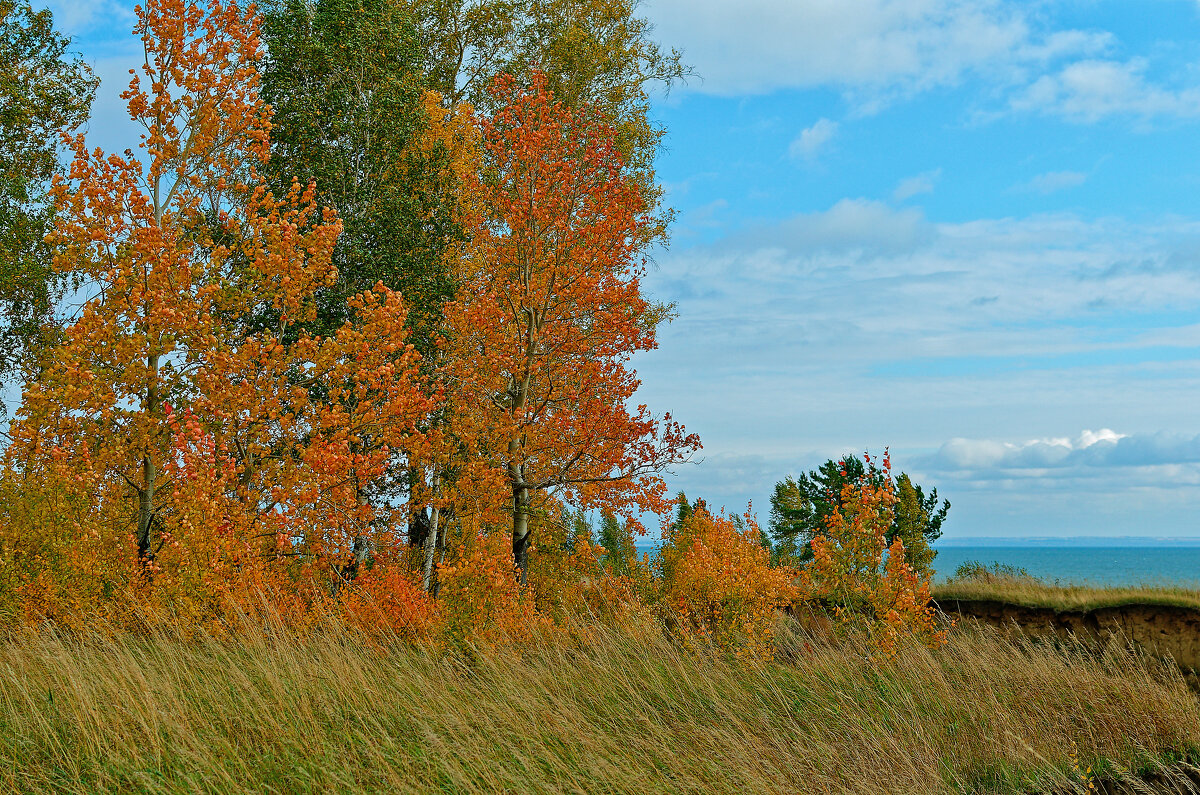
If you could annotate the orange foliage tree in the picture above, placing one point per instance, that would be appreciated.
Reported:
(856, 573)
(717, 580)
(206, 457)
(550, 312)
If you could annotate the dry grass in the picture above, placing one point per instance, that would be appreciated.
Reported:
(600, 711)
(1027, 591)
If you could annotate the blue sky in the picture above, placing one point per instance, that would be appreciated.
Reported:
(969, 231)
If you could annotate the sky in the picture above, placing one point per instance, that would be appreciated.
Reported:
(964, 231)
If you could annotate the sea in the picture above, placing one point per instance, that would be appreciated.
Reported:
(1100, 562)
(1083, 561)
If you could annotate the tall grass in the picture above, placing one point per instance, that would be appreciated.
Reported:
(592, 710)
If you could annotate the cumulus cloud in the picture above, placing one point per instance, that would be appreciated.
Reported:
(813, 139)
(990, 454)
(1054, 181)
(1090, 90)
(870, 47)
(914, 186)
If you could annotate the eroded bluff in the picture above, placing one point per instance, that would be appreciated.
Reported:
(1158, 629)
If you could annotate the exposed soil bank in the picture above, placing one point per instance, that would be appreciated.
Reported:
(1160, 629)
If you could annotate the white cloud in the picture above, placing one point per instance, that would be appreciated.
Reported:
(1035, 453)
(862, 326)
(851, 226)
(914, 186)
(1090, 90)
(867, 47)
(1093, 463)
(1053, 181)
(811, 140)
(876, 51)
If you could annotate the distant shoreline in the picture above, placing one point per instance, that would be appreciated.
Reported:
(1067, 541)
(1091, 542)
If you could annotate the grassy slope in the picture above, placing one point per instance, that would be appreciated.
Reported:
(1031, 593)
(614, 713)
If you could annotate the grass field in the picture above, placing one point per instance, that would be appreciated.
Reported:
(594, 711)
(1004, 584)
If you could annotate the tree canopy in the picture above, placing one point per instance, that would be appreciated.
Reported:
(350, 114)
(801, 508)
(348, 347)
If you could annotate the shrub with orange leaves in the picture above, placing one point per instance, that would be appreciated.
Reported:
(864, 581)
(717, 583)
(480, 594)
(47, 569)
(388, 596)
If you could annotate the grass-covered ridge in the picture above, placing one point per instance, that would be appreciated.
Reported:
(595, 710)
(1000, 583)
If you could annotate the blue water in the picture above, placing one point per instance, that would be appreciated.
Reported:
(1076, 563)
(1084, 565)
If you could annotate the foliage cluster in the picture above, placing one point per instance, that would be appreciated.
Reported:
(718, 582)
(801, 507)
(998, 573)
(858, 573)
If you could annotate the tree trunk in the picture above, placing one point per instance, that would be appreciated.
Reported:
(360, 547)
(437, 584)
(149, 468)
(418, 523)
(516, 466)
(431, 539)
(520, 533)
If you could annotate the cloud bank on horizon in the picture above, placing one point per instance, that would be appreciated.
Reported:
(968, 230)
(1091, 449)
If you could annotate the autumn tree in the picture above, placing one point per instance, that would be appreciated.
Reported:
(860, 575)
(596, 54)
(45, 92)
(356, 86)
(549, 314)
(801, 507)
(125, 227)
(187, 437)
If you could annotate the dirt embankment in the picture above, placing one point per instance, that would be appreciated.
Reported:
(1160, 629)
